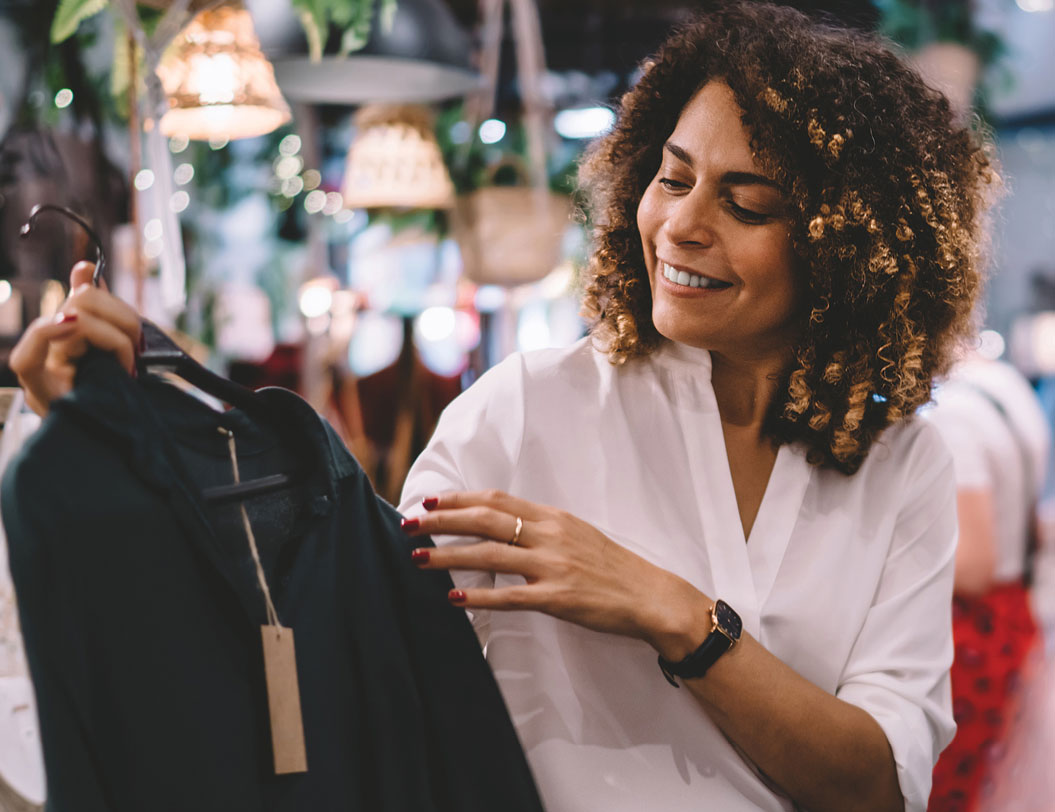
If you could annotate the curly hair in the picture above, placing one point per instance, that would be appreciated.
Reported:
(887, 196)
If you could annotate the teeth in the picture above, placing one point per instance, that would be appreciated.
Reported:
(690, 280)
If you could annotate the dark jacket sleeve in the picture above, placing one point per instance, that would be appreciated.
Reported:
(55, 651)
(474, 754)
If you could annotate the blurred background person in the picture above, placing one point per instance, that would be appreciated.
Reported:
(993, 423)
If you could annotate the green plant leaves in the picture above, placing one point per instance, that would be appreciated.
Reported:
(357, 19)
(916, 23)
(120, 71)
(315, 26)
(354, 18)
(69, 15)
(388, 14)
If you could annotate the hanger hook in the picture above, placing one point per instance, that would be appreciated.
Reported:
(100, 256)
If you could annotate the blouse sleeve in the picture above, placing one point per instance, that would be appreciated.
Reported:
(475, 447)
(898, 669)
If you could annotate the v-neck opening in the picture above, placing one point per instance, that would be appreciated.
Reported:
(743, 567)
(776, 515)
(746, 535)
(766, 504)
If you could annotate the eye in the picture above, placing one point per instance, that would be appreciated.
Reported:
(747, 215)
(671, 185)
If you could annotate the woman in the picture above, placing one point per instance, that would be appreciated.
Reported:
(726, 473)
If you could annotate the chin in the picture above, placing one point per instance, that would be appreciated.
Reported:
(677, 330)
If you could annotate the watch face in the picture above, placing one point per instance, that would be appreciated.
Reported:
(728, 620)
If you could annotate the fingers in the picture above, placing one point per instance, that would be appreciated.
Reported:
(486, 556)
(87, 299)
(29, 359)
(31, 352)
(81, 274)
(497, 500)
(91, 330)
(485, 522)
(45, 356)
(507, 597)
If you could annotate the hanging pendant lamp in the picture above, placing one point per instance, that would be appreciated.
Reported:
(395, 161)
(218, 82)
(423, 56)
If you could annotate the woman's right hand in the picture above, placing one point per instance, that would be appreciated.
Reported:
(45, 358)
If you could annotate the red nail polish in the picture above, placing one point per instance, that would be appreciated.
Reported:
(66, 318)
(430, 502)
(456, 596)
(409, 525)
(420, 556)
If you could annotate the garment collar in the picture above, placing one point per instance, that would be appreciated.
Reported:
(673, 354)
(105, 395)
(105, 399)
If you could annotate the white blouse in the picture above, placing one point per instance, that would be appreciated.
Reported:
(847, 579)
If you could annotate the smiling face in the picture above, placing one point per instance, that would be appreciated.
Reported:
(716, 237)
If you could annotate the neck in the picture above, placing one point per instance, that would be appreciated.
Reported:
(745, 388)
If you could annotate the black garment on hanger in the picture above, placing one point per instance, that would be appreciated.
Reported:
(141, 616)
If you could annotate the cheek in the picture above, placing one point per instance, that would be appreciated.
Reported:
(778, 275)
(778, 258)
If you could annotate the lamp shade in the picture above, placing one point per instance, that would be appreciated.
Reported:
(395, 161)
(218, 82)
(424, 56)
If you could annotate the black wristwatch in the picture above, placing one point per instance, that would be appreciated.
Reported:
(724, 634)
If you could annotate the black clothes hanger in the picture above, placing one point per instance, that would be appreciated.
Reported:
(158, 352)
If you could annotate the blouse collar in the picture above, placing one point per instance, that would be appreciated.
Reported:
(674, 354)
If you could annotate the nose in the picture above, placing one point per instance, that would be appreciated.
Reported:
(690, 220)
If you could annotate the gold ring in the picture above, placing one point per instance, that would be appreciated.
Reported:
(516, 533)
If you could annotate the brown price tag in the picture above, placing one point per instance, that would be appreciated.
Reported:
(283, 700)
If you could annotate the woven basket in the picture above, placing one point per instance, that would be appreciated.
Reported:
(510, 235)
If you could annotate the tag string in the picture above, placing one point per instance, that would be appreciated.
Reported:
(272, 615)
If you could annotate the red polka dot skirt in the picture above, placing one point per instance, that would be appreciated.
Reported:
(993, 635)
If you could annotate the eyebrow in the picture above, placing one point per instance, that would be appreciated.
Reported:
(729, 178)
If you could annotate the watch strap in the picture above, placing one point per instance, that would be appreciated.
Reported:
(724, 634)
(697, 663)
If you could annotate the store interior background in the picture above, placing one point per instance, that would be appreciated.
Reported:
(256, 254)
(283, 282)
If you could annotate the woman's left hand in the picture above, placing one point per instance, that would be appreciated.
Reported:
(573, 571)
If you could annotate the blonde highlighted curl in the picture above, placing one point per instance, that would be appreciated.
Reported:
(887, 194)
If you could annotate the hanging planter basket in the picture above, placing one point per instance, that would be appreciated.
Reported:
(510, 235)
(513, 235)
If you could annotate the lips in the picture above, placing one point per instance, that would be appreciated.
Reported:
(689, 279)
